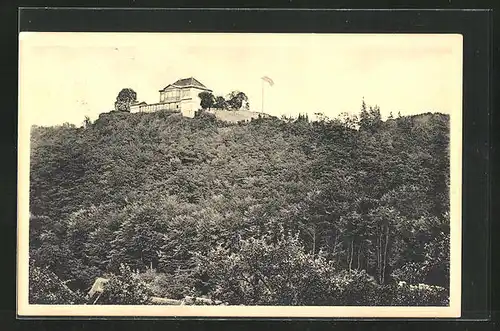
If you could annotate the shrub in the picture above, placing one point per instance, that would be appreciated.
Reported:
(264, 271)
(172, 286)
(418, 295)
(46, 288)
(356, 288)
(126, 288)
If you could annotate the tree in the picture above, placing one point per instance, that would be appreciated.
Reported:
(207, 100)
(363, 115)
(87, 122)
(369, 119)
(158, 191)
(46, 288)
(125, 98)
(269, 271)
(237, 100)
(125, 288)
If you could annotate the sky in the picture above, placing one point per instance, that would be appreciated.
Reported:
(67, 76)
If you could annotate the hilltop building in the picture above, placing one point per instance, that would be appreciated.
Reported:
(181, 95)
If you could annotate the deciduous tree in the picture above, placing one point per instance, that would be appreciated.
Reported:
(124, 99)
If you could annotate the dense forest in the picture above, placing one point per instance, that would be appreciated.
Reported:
(274, 211)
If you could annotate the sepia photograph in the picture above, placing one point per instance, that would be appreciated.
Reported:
(239, 174)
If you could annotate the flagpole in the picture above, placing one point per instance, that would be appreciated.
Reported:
(262, 108)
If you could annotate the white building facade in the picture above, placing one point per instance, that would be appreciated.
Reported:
(181, 96)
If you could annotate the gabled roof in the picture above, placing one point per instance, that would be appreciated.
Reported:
(187, 82)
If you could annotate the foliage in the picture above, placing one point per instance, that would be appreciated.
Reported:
(267, 271)
(124, 99)
(207, 100)
(369, 119)
(354, 203)
(236, 100)
(176, 286)
(404, 294)
(46, 288)
(220, 102)
(125, 288)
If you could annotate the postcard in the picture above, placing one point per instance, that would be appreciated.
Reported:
(239, 175)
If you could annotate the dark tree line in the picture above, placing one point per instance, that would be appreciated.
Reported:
(345, 211)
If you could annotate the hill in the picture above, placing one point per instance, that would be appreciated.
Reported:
(265, 212)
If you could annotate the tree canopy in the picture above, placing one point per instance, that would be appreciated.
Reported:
(220, 102)
(124, 99)
(237, 100)
(333, 212)
(207, 100)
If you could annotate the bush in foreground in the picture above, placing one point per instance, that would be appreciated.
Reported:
(46, 288)
(125, 288)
